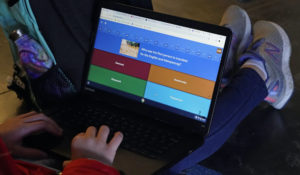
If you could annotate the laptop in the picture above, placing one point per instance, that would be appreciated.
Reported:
(154, 77)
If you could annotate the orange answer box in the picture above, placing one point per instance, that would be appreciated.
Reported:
(181, 81)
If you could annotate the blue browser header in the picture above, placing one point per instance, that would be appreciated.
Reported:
(163, 50)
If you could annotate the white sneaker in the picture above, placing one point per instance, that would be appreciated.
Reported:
(238, 21)
(272, 46)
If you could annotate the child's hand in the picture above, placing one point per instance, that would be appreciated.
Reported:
(15, 129)
(94, 145)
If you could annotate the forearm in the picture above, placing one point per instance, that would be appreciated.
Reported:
(88, 166)
(7, 163)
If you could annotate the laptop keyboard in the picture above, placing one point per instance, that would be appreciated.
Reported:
(147, 138)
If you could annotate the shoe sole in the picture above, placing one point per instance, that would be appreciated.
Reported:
(285, 67)
(244, 43)
(245, 39)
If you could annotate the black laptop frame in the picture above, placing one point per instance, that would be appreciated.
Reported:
(181, 122)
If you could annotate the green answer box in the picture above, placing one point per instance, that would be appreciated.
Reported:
(117, 80)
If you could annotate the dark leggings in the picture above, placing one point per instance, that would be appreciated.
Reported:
(237, 100)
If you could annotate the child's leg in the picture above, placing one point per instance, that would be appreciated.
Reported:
(265, 74)
(237, 100)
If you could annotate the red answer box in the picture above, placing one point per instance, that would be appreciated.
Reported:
(121, 64)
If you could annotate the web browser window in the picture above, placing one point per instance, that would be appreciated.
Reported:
(160, 64)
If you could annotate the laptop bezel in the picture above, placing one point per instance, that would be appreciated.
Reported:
(170, 118)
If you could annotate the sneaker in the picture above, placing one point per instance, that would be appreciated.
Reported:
(238, 21)
(272, 46)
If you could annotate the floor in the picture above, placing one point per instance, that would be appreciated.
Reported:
(268, 141)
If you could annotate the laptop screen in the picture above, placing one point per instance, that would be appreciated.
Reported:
(163, 65)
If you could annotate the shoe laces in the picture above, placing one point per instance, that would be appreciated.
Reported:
(252, 52)
(256, 44)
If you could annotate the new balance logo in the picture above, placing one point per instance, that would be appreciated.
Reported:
(272, 50)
